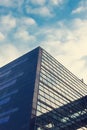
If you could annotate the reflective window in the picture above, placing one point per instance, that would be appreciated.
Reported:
(59, 95)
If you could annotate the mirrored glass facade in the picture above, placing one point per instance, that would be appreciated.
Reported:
(39, 93)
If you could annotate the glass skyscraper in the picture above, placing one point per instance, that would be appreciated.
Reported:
(39, 93)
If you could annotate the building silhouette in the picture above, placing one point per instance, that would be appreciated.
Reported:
(39, 93)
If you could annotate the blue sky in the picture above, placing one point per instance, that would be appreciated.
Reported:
(59, 26)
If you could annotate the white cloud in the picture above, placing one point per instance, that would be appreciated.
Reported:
(8, 52)
(5, 2)
(82, 7)
(27, 21)
(7, 23)
(24, 35)
(56, 2)
(42, 11)
(45, 8)
(38, 2)
(12, 6)
(2, 37)
(11, 3)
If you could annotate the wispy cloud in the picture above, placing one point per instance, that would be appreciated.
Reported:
(56, 2)
(79, 10)
(38, 2)
(82, 7)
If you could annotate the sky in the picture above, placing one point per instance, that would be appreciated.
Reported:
(58, 26)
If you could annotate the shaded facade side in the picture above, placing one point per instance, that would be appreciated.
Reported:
(17, 81)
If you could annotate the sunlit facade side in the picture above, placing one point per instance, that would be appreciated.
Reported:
(60, 104)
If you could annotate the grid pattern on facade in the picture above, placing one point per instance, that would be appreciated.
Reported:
(57, 88)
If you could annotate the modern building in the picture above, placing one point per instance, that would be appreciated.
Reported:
(39, 93)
